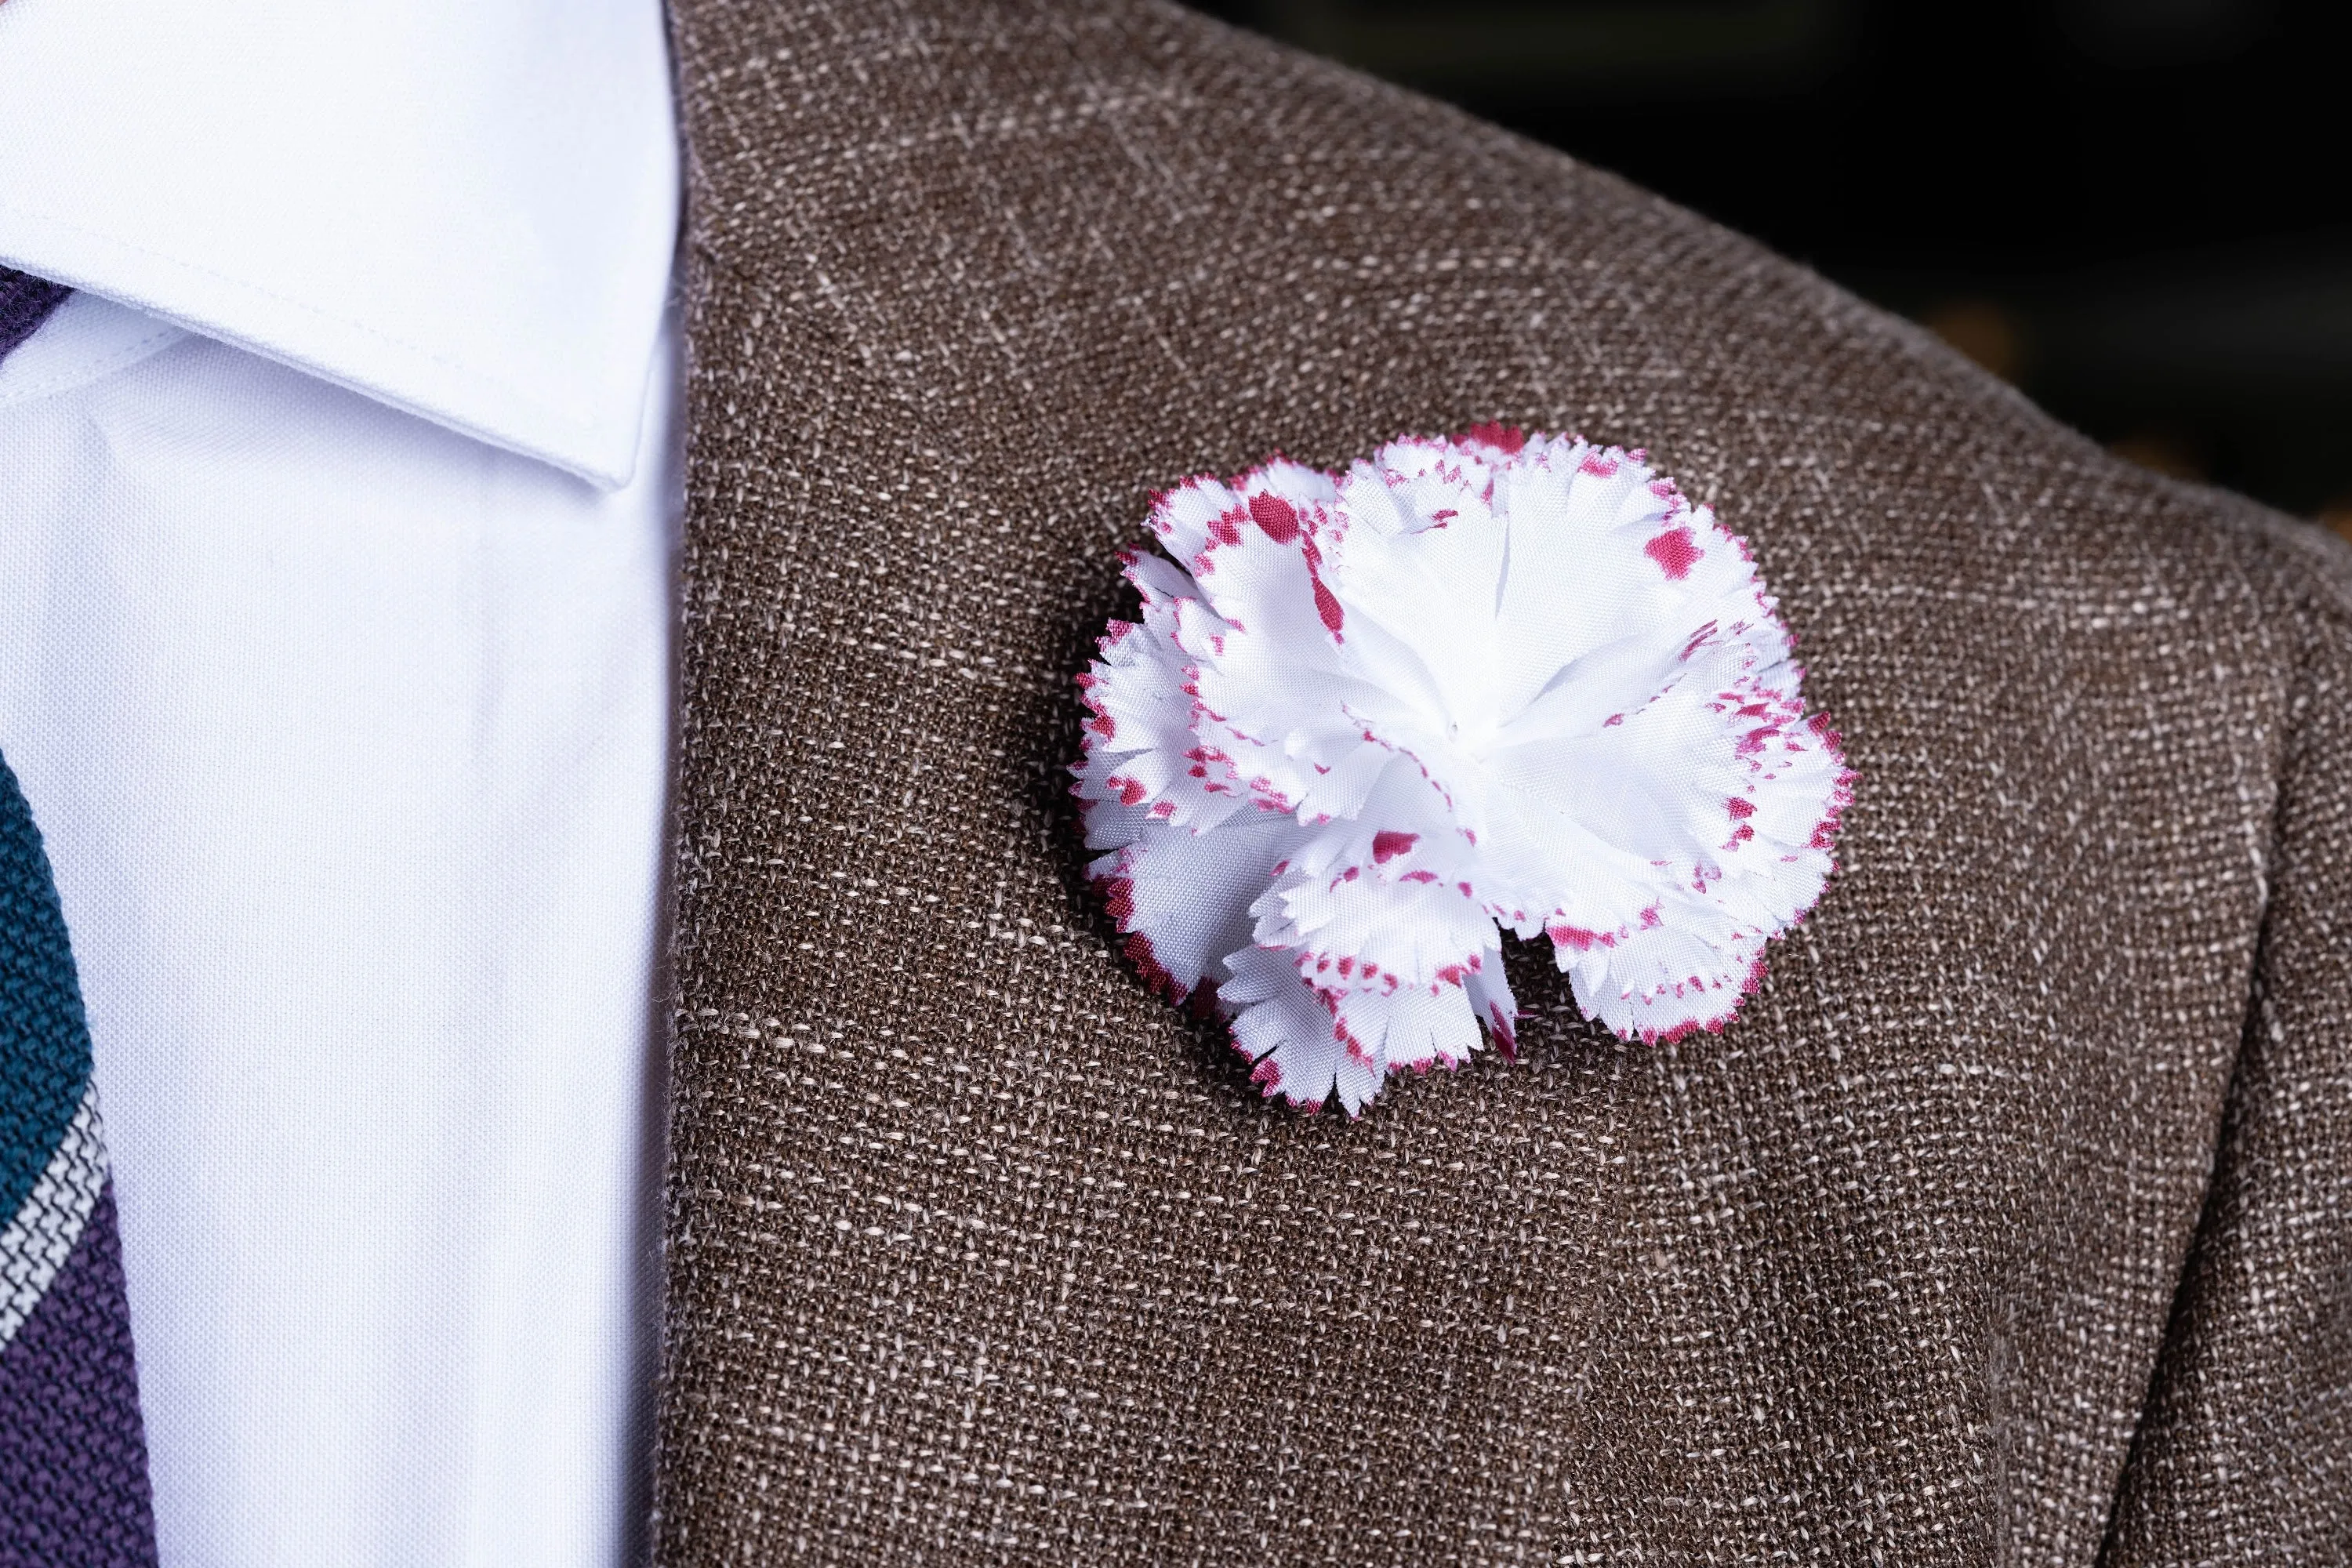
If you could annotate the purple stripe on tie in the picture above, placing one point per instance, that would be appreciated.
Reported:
(25, 302)
(73, 1463)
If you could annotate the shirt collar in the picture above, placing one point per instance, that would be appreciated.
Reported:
(463, 208)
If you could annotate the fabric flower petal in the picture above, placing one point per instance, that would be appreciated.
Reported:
(1184, 898)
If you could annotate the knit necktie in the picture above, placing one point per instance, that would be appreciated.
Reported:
(25, 302)
(73, 1458)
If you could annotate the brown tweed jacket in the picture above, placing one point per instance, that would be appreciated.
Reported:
(2009, 1222)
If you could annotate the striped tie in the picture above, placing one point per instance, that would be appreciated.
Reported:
(25, 302)
(73, 1460)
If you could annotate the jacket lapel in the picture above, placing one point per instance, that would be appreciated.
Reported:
(977, 1250)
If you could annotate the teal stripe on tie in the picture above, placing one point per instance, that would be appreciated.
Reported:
(44, 1041)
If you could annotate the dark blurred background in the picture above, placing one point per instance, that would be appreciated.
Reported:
(2140, 211)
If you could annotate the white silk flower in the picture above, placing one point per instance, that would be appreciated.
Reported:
(1371, 721)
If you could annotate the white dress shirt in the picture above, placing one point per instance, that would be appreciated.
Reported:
(336, 517)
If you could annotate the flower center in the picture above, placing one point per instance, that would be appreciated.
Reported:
(1474, 738)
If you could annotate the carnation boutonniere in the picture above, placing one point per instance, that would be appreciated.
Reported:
(1371, 719)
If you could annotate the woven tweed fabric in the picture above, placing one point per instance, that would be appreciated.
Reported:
(73, 1458)
(25, 302)
(2009, 1223)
